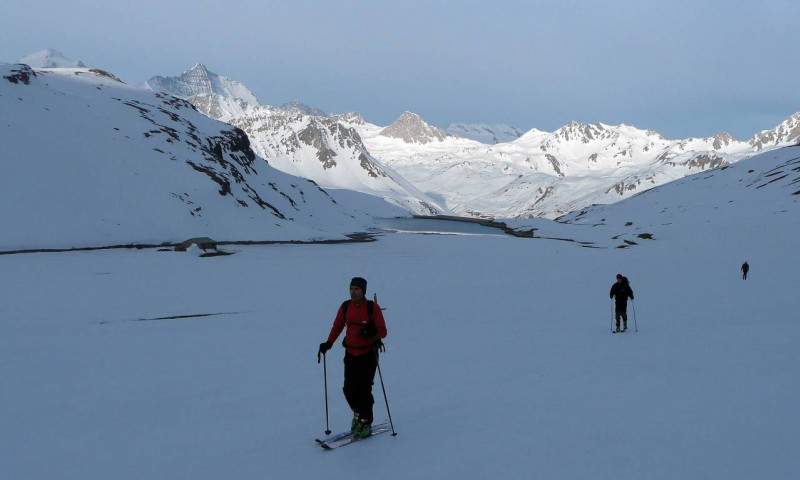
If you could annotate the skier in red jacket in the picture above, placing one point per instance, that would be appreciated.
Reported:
(362, 340)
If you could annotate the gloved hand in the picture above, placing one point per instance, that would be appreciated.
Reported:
(379, 346)
(324, 347)
(369, 330)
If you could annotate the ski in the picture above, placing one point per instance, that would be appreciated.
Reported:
(346, 438)
(333, 438)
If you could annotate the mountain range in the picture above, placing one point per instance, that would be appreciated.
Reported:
(427, 170)
(89, 160)
(533, 174)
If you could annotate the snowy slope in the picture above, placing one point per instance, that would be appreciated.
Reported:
(141, 364)
(90, 161)
(488, 134)
(50, 58)
(756, 196)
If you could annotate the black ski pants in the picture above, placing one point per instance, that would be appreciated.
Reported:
(359, 374)
(621, 311)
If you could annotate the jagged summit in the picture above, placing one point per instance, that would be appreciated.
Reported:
(50, 58)
(199, 80)
(722, 139)
(788, 132)
(296, 106)
(412, 129)
(575, 131)
(350, 117)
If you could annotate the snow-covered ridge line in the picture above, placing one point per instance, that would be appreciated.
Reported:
(538, 174)
(544, 174)
(426, 171)
(91, 161)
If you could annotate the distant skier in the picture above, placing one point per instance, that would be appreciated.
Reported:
(745, 269)
(362, 340)
(620, 292)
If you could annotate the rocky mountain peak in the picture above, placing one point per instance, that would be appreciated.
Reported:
(412, 129)
(297, 106)
(787, 133)
(350, 117)
(199, 80)
(722, 139)
(200, 73)
(574, 131)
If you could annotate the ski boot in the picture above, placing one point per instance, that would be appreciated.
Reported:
(355, 423)
(363, 429)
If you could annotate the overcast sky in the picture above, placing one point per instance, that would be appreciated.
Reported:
(684, 68)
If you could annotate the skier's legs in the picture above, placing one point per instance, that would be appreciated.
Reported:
(359, 372)
(621, 312)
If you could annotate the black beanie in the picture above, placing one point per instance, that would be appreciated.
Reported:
(360, 283)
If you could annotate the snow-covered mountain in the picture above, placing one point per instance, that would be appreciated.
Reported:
(319, 148)
(198, 80)
(410, 128)
(50, 58)
(421, 167)
(787, 133)
(545, 174)
(297, 106)
(731, 201)
(304, 141)
(89, 161)
(488, 134)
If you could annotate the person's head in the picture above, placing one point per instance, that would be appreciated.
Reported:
(358, 289)
(619, 278)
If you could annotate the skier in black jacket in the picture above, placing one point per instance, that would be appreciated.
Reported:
(621, 291)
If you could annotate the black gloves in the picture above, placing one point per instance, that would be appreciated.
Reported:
(324, 347)
(369, 330)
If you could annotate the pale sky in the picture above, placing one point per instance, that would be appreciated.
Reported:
(684, 68)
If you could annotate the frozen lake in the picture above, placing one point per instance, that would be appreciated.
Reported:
(436, 226)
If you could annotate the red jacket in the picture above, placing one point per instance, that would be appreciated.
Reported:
(357, 317)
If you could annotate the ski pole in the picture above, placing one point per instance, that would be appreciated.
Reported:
(325, 376)
(635, 326)
(385, 399)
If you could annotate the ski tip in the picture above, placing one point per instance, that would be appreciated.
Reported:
(325, 446)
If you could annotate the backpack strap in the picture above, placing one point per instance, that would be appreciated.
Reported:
(370, 310)
(370, 315)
